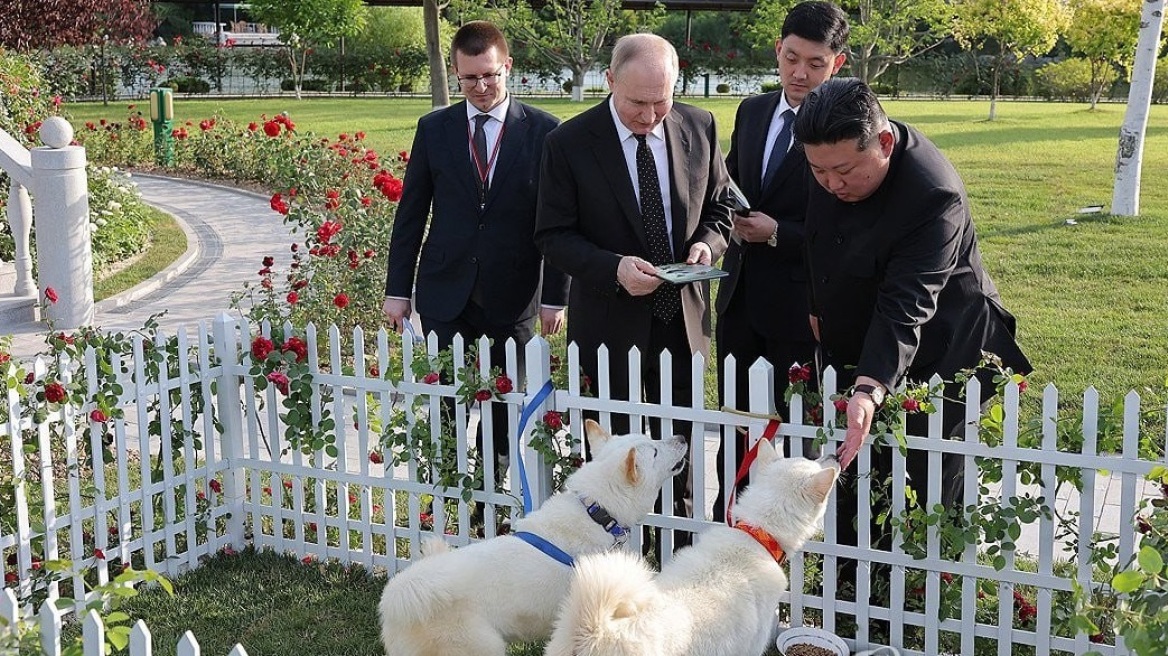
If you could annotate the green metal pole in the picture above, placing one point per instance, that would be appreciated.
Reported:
(162, 115)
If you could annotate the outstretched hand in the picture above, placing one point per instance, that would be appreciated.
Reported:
(861, 410)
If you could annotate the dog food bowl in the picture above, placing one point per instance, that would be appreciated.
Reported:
(810, 641)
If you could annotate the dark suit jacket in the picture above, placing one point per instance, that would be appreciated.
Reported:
(897, 279)
(776, 278)
(465, 248)
(589, 218)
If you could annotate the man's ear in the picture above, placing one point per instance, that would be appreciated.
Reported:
(632, 471)
(887, 141)
(838, 62)
(596, 435)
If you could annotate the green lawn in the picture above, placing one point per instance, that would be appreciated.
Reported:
(1091, 298)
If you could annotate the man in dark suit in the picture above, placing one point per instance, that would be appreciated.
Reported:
(762, 305)
(628, 185)
(898, 287)
(475, 165)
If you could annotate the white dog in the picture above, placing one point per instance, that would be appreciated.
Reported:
(474, 600)
(716, 598)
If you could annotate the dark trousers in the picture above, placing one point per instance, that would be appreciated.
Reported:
(472, 325)
(739, 336)
(662, 336)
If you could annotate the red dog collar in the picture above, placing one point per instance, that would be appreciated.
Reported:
(767, 540)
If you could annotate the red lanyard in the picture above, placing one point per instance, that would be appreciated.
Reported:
(484, 171)
(772, 429)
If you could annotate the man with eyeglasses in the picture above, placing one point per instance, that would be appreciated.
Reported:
(474, 173)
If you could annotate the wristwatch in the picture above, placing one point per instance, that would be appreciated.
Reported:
(873, 391)
(773, 240)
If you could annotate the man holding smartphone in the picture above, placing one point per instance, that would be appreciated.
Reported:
(762, 305)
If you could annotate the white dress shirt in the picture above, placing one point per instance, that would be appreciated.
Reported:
(656, 141)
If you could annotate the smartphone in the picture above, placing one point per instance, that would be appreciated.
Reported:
(737, 199)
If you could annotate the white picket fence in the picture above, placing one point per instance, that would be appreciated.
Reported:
(222, 475)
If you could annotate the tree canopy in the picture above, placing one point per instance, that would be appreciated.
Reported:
(44, 24)
(307, 23)
(1104, 32)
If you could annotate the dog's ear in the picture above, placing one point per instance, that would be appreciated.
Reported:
(821, 483)
(632, 471)
(766, 452)
(596, 435)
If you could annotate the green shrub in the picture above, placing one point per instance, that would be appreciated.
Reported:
(722, 88)
(119, 221)
(1069, 79)
(309, 84)
(189, 85)
(768, 87)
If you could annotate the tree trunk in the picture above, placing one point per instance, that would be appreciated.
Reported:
(439, 91)
(994, 90)
(578, 86)
(1125, 201)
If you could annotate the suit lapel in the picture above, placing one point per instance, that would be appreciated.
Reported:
(610, 159)
(677, 144)
(514, 138)
(752, 150)
(459, 147)
(795, 160)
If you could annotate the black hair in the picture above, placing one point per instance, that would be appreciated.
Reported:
(476, 37)
(821, 22)
(840, 109)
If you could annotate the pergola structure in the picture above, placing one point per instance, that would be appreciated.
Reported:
(683, 5)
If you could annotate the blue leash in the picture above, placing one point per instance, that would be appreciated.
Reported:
(556, 553)
(525, 417)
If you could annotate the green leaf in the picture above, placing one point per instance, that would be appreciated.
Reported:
(1150, 560)
(1128, 581)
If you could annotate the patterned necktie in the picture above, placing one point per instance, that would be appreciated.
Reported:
(779, 150)
(482, 164)
(666, 300)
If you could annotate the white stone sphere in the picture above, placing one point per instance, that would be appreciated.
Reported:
(56, 132)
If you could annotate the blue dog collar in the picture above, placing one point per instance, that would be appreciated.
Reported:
(606, 521)
(555, 553)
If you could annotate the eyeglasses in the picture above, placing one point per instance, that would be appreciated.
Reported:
(488, 80)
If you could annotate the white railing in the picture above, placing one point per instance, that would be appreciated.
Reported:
(214, 487)
(55, 176)
(49, 629)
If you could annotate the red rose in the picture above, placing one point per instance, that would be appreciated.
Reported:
(97, 416)
(1021, 386)
(206, 125)
(51, 294)
(946, 577)
(267, 490)
(215, 485)
(272, 129)
(911, 405)
(280, 380)
(269, 260)
(376, 458)
(482, 395)
(307, 560)
(374, 371)
(55, 393)
(288, 484)
(10, 578)
(297, 346)
(261, 347)
(278, 205)
(366, 201)
(341, 300)
(553, 420)
(252, 127)
(504, 384)
(292, 298)
(431, 378)
(841, 405)
(799, 373)
(359, 135)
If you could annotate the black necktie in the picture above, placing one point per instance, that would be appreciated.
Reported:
(482, 164)
(667, 299)
(779, 150)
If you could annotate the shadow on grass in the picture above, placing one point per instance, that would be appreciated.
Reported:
(274, 605)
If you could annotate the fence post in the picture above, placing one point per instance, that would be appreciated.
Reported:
(20, 222)
(228, 403)
(64, 249)
(538, 372)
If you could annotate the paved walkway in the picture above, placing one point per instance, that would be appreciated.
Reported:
(229, 232)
